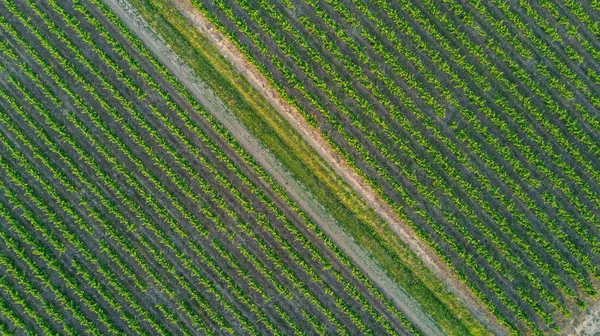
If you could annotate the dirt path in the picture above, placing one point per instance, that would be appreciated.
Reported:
(588, 324)
(215, 106)
(314, 138)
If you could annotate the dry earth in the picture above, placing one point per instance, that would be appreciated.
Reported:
(589, 323)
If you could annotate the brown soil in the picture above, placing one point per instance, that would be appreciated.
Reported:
(586, 324)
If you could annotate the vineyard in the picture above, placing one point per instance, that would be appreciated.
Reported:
(127, 208)
(138, 193)
(477, 121)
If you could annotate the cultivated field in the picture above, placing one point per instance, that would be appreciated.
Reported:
(477, 121)
(126, 208)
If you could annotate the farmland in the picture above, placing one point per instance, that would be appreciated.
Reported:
(477, 121)
(127, 208)
(312, 167)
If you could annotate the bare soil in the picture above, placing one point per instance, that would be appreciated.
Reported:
(588, 324)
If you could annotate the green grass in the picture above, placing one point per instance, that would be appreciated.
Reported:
(307, 167)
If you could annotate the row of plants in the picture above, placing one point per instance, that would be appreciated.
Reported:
(79, 124)
(59, 128)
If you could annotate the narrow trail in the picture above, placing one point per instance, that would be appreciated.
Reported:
(588, 324)
(320, 215)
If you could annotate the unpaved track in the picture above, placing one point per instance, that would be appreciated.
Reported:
(588, 324)
(215, 106)
(360, 186)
